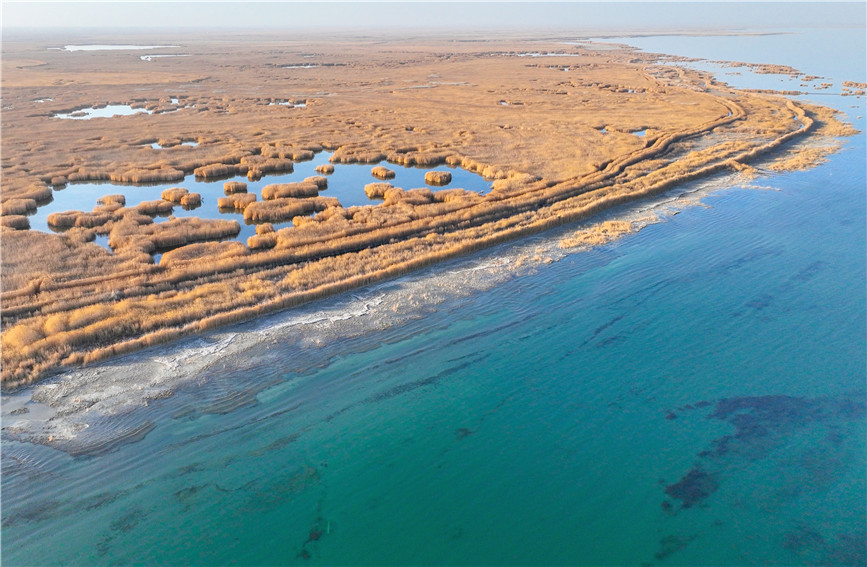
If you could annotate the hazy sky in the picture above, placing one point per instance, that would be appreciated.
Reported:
(375, 16)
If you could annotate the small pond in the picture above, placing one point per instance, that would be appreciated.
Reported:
(157, 146)
(104, 112)
(108, 47)
(152, 57)
(346, 184)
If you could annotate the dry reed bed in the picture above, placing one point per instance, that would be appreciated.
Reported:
(285, 208)
(66, 315)
(385, 252)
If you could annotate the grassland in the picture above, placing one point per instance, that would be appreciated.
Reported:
(555, 135)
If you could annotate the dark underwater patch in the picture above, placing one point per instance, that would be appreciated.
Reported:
(693, 488)
(761, 425)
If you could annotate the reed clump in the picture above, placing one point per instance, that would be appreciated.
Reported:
(36, 192)
(302, 155)
(203, 251)
(15, 222)
(112, 200)
(17, 206)
(214, 171)
(318, 180)
(297, 189)
(174, 194)
(236, 201)
(382, 172)
(191, 200)
(325, 169)
(141, 175)
(231, 187)
(438, 177)
(377, 190)
(157, 207)
(262, 241)
(356, 154)
(283, 209)
(597, 235)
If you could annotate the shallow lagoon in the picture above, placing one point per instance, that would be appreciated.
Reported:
(690, 395)
(346, 184)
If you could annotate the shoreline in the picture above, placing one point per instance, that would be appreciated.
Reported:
(68, 411)
(228, 285)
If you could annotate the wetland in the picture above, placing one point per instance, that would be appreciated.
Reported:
(618, 126)
(546, 384)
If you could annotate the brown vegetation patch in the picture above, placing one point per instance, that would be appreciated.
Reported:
(112, 200)
(377, 190)
(16, 222)
(325, 169)
(207, 251)
(296, 189)
(438, 177)
(283, 209)
(234, 187)
(140, 175)
(17, 206)
(237, 201)
(191, 200)
(382, 172)
(597, 235)
(174, 194)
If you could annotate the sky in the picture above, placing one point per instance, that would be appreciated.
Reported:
(461, 15)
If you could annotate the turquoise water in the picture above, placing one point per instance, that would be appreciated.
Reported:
(693, 394)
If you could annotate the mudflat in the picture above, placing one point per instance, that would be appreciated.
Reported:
(562, 131)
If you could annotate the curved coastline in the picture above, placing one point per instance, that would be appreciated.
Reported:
(141, 304)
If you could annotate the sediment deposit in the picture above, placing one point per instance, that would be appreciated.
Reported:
(563, 150)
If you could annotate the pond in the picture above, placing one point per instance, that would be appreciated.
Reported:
(346, 184)
(152, 57)
(108, 47)
(104, 112)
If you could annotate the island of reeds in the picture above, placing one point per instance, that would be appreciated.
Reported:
(563, 132)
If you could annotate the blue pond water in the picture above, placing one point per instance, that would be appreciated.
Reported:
(346, 184)
(104, 112)
(693, 394)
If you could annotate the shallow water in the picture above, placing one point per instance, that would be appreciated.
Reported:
(104, 112)
(110, 47)
(693, 394)
(346, 184)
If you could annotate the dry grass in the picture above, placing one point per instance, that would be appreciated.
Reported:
(191, 200)
(237, 201)
(284, 209)
(231, 187)
(382, 172)
(298, 189)
(174, 194)
(110, 200)
(377, 190)
(438, 177)
(17, 206)
(325, 169)
(16, 222)
(597, 235)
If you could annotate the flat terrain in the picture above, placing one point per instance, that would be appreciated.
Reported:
(563, 132)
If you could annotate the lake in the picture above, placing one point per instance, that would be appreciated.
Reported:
(692, 394)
